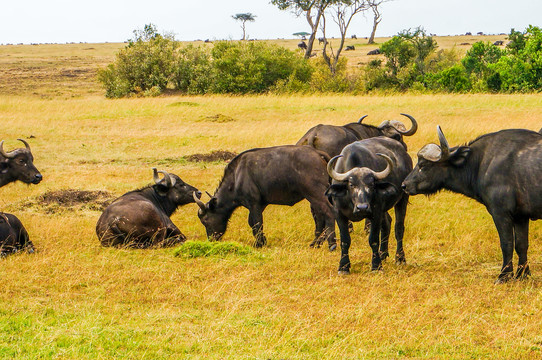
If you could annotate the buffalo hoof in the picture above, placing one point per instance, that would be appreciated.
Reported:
(344, 272)
(30, 250)
(523, 272)
(315, 244)
(333, 247)
(400, 259)
(504, 278)
(384, 255)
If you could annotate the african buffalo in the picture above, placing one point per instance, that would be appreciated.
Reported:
(281, 175)
(140, 218)
(366, 184)
(332, 139)
(18, 165)
(501, 170)
(13, 235)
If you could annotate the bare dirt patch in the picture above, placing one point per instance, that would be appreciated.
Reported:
(57, 201)
(218, 118)
(218, 155)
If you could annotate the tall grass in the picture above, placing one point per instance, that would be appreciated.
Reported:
(74, 299)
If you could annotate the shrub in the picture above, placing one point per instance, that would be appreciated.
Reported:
(452, 79)
(254, 67)
(145, 63)
(193, 71)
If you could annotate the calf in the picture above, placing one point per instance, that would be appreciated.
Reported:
(140, 218)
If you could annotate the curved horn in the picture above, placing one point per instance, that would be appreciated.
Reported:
(335, 175)
(361, 118)
(444, 147)
(169, 181)
(200, 203)
(155, 175)
(25, 144)
(5, 154)
(384, 173)
(413, 129)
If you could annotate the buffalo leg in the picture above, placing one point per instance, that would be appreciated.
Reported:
(173, 236)
(374, 241)
(255, 220)
(521, 235)
(344, 264)
(505, 229)
(323, 211)
(400, 214)
(384, 236)
(319, 225)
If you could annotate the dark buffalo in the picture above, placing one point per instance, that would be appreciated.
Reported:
(302, 45)
(501, 170)
(140, 218)
(366, 184)
(13, 236)
(374, 52)
(281, 175)
(18, 165)
(332, 139)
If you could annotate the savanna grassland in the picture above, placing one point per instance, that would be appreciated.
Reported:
(74, 299)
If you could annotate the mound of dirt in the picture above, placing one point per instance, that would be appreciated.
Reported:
(218, 118)
(218, 155)
(57, 201)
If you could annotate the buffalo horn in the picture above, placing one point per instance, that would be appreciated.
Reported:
(169, 181)
(414, 127)
(361, 118)
(384, 173)
(444, 147)
(25, 144)
(200, 203)
(5, 154)
(335, 175)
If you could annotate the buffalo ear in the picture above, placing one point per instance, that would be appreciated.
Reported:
(459, 156)
(161, 189)
(386, 190)
(336, 190)
(212, 203)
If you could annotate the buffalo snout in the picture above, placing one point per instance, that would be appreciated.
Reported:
(37, 179)
(362, 208)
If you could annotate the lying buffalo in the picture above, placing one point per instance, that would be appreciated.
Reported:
(281, 175)
(501, 170)
(18, 165)
(140, 218)
(13, 235)
(366, 184)
(332, 139)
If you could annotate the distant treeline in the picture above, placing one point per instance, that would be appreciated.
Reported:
(152, 63)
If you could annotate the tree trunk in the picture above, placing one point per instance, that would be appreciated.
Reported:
(314, 29)
(376, 20)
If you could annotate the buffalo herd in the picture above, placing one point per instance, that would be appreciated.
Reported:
(347, 173)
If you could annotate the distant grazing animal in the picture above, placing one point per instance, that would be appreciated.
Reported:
(374, 52)
(302, 45)
(332, 139)
(322, 40)
(350, 47)
(366, 184)
(140, 218)
(280, 175)
(354, 36)
(498, 43)
(13, 235)
(18, 165)
(501, 170)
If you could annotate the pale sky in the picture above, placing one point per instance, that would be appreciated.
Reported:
(61, 21)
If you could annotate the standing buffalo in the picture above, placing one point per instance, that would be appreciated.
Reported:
(140, 218)
(281, 175)
(18, 165)
(366, 184)
(13, 235)
(332, 139)
(501, 170)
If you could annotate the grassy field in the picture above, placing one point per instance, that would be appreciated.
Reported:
(74, 299)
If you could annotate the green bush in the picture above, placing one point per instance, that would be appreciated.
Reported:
(146, 63)
(452, 79)
(254, 67)
(193, 72)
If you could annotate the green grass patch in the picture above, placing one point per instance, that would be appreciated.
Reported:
(195, 249)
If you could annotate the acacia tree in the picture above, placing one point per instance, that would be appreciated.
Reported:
(377, 17)
(342, 13)
(244, 17)
(313, 11)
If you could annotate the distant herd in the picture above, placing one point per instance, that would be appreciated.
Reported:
(347, 173)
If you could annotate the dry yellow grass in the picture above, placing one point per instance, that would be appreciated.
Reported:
(77, 300)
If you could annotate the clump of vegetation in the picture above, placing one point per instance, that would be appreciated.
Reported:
(194, 249)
